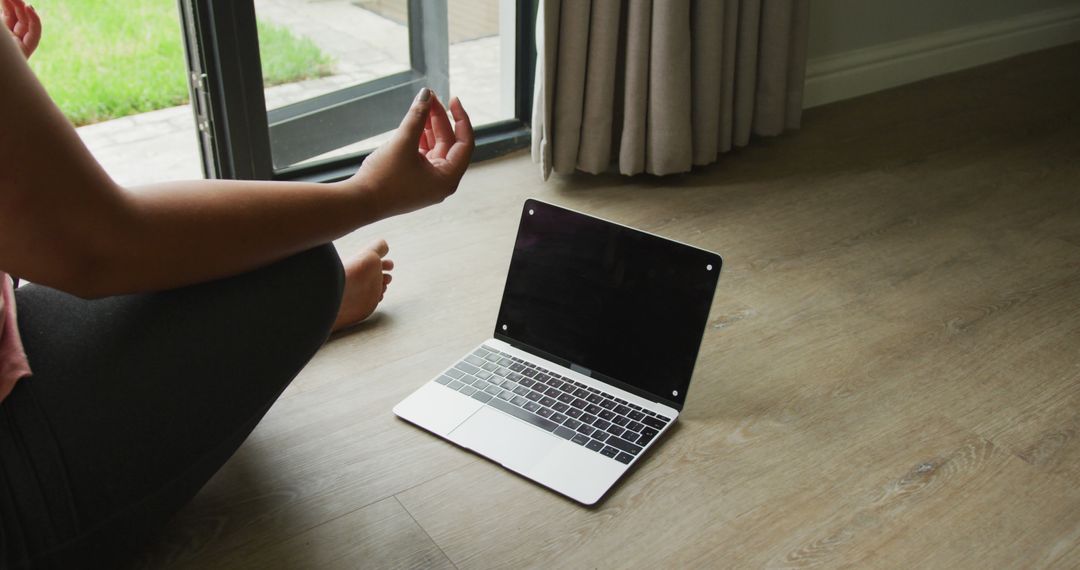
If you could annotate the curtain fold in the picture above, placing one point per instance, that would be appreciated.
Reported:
(599, 111)
(636, 61)
(661, 86)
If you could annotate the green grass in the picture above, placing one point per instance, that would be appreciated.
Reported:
(103, 59)
(287, 58)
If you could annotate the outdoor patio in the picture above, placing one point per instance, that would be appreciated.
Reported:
(162, 145)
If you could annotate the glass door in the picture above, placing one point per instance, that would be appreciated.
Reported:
(304, 89)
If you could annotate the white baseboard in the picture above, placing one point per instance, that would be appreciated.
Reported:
(858, 72)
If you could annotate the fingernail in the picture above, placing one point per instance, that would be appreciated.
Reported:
(424, 96)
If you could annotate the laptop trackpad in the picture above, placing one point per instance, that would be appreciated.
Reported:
(436, 409)
(500, 437)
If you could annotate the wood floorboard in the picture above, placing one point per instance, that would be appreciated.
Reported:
(922, 494)
(380, 535)
(890, 376)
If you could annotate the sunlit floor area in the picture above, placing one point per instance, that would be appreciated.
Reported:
(889, 377)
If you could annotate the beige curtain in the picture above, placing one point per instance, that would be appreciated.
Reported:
(659, 86)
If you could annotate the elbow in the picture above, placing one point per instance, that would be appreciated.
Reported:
(75, 233)
(95, 263)
(85, 274)
(72, 266)
(90, 287)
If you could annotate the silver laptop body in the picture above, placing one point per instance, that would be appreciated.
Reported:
(596, 340)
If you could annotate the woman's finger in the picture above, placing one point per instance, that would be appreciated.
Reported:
(20, 15)
(460, 153)
(9, 15)
(440, 125)
(33, 31)
(412, 124)
(429, 134)
(423, 145)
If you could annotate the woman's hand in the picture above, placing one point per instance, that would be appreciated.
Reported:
(423, 163)
(24, 23)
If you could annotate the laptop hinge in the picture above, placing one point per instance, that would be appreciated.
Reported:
(581, 369)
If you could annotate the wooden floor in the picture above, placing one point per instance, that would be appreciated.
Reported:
(890, 376)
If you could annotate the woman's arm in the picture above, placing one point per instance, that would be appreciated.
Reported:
(64, 223)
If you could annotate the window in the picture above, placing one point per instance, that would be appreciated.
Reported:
(368, 60)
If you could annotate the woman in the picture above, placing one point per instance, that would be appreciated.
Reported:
(164, 321)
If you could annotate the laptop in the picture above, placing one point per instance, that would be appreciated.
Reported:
(591, 358)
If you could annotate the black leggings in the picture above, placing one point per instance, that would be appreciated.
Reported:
(137, 400)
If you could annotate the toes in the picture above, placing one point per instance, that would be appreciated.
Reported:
(380, 247)
(386, 279)
(387, 264)
(368, 260)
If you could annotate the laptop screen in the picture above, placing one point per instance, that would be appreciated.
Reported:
(628, 306)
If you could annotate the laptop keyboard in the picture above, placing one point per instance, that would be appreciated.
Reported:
(571, 410)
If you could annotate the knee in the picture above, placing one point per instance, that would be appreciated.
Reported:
(304, 289)
(324, 275)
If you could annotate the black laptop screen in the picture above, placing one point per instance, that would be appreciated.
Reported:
(619, 302)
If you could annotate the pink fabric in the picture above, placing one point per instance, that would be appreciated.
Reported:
(13, 363)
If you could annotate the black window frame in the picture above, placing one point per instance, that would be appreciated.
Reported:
(222, 51)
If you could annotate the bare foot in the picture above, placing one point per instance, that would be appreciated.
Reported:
(365, 284)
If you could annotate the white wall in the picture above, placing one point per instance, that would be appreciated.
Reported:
(861, 46)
